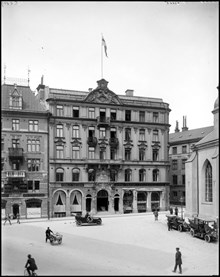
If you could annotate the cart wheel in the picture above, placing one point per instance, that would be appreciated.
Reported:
(78, 223)
(207, 238)
(180, 228)
(192, 233)
(99, 221)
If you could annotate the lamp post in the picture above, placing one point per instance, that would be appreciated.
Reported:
(181, 201)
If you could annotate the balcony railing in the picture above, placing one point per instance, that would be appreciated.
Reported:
(15, 174)
(103, 121)
(15, 153)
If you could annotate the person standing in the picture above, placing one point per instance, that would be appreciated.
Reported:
(48, 232)
(178, 260)
(18, 218)
(169, 225)
(7, 218)
(31, 265)
(171, 210)
(156, 215)
(176, 211)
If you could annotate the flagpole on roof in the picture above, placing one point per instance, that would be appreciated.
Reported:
(101, 57)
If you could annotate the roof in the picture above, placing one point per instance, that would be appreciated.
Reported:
(30, 102)
(194, 134)
(208, 138)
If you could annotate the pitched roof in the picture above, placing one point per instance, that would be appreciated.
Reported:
(208, 138)
(30, 102)
(194, 134)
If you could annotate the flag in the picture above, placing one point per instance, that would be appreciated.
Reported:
(105, 46)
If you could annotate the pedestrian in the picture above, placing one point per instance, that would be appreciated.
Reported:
(18, 218)
(156, 215)
(31, 265)
(171, 210)
(7, 218)
(178, 260)
(48, 232)
(169, 225)
(176, 211)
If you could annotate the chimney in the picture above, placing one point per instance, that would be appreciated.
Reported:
(177, 127)
(184, 124)
(129, 92)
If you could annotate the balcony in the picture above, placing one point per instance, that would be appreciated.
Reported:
(92, 141)
(103, 121)
(113, 142)
(15, 174)
(15, 153)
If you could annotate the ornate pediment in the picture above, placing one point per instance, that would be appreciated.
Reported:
(103, 95)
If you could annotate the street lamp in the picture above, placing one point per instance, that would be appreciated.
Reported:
(181, 201)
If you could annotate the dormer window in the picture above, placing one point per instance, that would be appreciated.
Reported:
(15, 99)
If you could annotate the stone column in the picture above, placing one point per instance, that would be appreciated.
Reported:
(67, 204)
(149, 201)
(135, 209)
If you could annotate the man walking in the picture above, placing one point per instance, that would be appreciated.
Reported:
(178, 260)
(7, 218)
(48, 232)
(18, 218)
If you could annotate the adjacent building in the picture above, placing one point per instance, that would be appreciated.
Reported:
(24, 153)
(180, 150)
(107, 152)
(202, 174)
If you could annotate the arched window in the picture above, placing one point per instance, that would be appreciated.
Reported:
(59, 174)
(75, 175)
(208, 183)
(128, 175)
(155, 175)
(142, 175)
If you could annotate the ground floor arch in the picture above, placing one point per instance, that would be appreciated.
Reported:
(155, 201)
(142, 201)
(33, 208)
(59, 203)
(128, 201)
(102, 200)
(116, 202)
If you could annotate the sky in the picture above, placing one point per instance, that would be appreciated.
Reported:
(167, 50)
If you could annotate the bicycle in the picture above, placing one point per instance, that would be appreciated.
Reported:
(27, 274)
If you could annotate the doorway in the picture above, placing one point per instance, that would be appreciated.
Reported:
(102, 200)
(15, 210)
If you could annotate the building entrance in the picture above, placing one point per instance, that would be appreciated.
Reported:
(15, 210)
(102, 200)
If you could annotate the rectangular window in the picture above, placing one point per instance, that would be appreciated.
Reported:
(155, 135)
(113, 154)
(59, 151)
(91, 112)
(155, 117)
(174, 194)
(127, 154)
(15, 124)
(33, 125)
(33, 164)
(183, 179)
(33, 185)
(15, 143)
(174, 164)
(127, 134)
(102, 133)
(174, 150)
(183, 163)
(59, 110)
(75, 131)
(75, 111)
(113, 115)
(102, 155)
(59, 130)
(30, 185)
(142, 116)
(91, 153)
(141, 154)
(142, 135)
(33, 145)
(174, 179)
(184, 149)
(127, 115)
(75, 152)
(155, 154)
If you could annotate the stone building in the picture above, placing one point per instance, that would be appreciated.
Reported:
(180, 150)
(24, 153)
(202, 174)
(107, 152)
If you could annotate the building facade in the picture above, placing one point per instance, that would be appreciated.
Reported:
(24, 153)
(202, 171)
(107, 152)
(180, 150)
